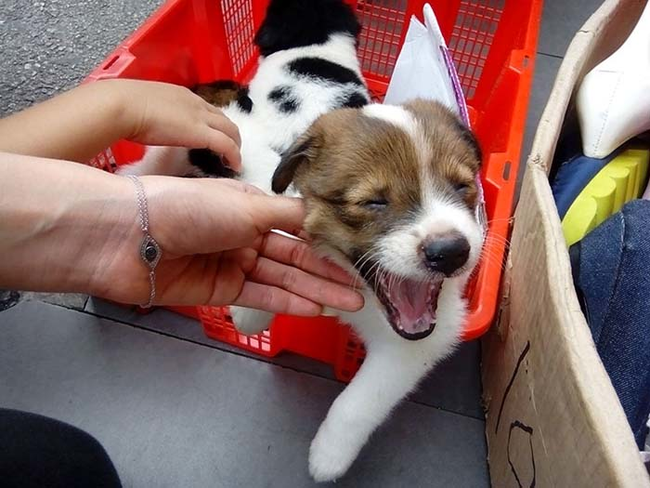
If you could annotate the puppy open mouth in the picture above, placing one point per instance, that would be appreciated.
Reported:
(410, 305)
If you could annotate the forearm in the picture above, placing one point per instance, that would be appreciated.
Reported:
(74, 126)
(59, 224)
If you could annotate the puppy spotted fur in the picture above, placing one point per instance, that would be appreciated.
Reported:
(309, 66)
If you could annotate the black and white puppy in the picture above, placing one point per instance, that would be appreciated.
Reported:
(308, 67)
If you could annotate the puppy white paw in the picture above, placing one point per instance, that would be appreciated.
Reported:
(331, 455)
(250, 321)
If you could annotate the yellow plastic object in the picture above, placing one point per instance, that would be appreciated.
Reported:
(620, 181)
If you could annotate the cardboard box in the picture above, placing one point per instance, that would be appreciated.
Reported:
(553, 417)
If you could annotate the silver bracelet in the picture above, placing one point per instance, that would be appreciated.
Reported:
(150, 251)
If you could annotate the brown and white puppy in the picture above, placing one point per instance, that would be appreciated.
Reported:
(391, 195)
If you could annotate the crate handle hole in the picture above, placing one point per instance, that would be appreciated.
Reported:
(506, 170)
(111, 62)
(525, 62)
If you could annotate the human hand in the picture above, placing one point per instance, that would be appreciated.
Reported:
(162, 114)
(218, 250)
(82, 122)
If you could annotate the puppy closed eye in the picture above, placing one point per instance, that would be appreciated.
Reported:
(461, 189)
(375, 204)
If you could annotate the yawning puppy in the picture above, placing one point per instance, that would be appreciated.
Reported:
(391, 195)
(392, 189)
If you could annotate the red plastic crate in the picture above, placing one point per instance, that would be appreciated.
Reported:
(493, 43)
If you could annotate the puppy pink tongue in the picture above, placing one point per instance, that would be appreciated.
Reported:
(412, 300)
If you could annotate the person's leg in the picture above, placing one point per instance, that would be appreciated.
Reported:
(37, 451)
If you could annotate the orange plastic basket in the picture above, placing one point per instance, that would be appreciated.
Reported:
(493, 43)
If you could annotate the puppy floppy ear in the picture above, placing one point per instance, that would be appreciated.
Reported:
(303, 151)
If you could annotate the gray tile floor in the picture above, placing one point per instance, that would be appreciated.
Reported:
(174, 408)
(176, 413)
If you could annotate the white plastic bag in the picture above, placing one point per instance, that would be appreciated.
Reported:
(424, 68)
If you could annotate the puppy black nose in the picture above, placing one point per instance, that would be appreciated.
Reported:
(445, 254)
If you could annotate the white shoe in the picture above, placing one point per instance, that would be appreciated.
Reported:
(613, 102)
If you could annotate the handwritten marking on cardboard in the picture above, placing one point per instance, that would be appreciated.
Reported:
(518, 426)
(522, 356)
